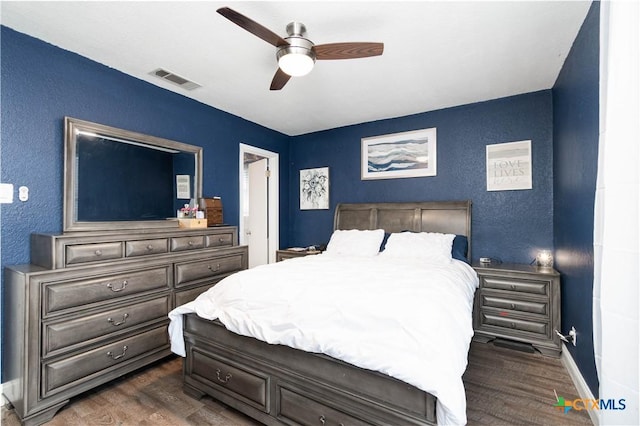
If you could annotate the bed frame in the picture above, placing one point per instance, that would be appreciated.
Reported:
(276, 384)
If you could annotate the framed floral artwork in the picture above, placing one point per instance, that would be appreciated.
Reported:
(314, 189)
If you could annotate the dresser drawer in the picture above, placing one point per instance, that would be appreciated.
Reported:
(531, 326)
(206, 269)
(71, 333)
(190, 294)
(512, 303)
(74, 370)
(187, 243)
(243, 383)
(220, 240)
(82, 293)
(146, 247)
(84, 253)
(301, 409)
(519, 285)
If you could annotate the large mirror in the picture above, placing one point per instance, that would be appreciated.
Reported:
(117, 179)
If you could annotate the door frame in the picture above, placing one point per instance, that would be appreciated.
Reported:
(273, 198)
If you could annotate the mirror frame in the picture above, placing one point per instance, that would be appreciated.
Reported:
(72, 127)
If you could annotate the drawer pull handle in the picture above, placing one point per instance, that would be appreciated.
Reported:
(212, 269)
(116, 357)
(513, 325)
(190, 243)
(117, 323)
(513, 306)
(149, 247)
(513, 286)
(226, 379)
(98, 252)
(221, 240)
(122, 287)
(323, 420)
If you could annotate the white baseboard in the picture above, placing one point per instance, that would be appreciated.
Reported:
(578, 381)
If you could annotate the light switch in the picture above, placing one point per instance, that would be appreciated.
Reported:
(6, 193)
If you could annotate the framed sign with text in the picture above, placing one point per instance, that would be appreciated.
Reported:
(509, 166)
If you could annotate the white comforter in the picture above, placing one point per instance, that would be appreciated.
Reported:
(408, 319)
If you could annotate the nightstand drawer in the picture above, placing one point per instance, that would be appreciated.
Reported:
(497, 320)
(533, 287)
(491, 300)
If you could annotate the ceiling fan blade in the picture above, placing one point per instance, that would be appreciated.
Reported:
(253, 27)
(279, 80)
(347, 50)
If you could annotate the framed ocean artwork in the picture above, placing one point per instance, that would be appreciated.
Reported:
(400, 155)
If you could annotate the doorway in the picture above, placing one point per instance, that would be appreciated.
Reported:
(259, 198)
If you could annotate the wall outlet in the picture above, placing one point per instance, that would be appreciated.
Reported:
(573, 336)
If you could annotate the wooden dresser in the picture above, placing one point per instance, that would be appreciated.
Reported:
(519, 303)
(93, 306)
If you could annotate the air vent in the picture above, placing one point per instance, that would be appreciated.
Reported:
(175, 79)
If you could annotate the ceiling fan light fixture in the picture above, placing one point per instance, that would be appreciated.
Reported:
(295, 64)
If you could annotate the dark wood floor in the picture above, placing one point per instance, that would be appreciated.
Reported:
(504, 387)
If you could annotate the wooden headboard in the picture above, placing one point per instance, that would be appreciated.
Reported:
(448, 217)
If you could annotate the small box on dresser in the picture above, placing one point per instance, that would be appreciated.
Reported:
(213, 211)
(520, 303)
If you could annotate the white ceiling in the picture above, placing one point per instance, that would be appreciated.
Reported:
(437, 54)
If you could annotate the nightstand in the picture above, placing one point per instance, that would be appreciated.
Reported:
(519, 303)
(288, 254)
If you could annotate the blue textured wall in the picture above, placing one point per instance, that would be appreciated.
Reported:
(576, 128)
(42, 83)
(510, 225)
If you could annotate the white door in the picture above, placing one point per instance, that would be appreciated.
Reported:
(257, 230)
(249, 154)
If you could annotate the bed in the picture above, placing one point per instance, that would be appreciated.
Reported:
(373, 365)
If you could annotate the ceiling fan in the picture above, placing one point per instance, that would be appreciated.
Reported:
(295, 53)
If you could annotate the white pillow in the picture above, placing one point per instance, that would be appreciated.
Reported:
(430, 246)
(354, 242)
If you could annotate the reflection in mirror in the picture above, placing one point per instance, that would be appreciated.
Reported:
(116, 179)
